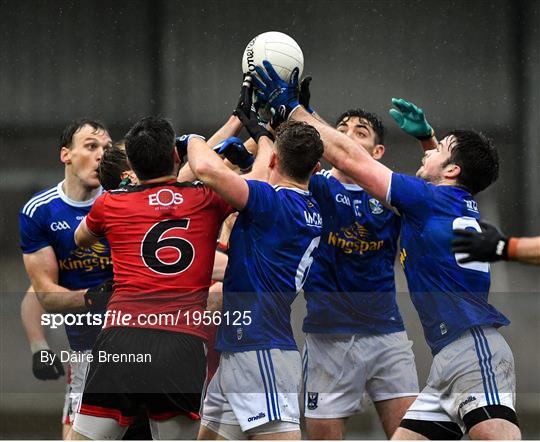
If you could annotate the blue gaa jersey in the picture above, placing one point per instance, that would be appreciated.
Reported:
(351, 288)
(50, 218)
(269, 258)
(449, 297)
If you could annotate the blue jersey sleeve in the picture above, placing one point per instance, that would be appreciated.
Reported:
(411, 196)
(33, 235)
(261, 204)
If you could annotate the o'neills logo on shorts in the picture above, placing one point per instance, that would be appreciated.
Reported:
(256, 418)
(466, 401)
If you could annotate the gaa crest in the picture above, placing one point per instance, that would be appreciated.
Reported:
(312, 399)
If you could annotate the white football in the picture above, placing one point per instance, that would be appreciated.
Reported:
(276, 47)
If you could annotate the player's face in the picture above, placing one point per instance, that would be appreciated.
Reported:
(359, 130)
(87, 147)
(432, 169)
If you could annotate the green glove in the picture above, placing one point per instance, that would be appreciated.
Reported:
(411, 119)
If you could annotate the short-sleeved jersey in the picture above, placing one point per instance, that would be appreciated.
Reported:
(162, 239)
(50, 218)
(449, 297)
(351, 288)
(270, 252)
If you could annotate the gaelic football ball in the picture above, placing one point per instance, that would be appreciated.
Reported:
(276, 47)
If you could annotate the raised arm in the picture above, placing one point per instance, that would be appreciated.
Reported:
(339, 149)
(210, 169)
(351, 159)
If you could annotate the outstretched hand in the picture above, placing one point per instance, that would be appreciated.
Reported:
(411, 119)
(488, 245)
(271, 88)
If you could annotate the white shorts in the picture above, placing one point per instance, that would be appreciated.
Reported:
(253, 388)
(340, 369)
(474, 371)
(77, 372)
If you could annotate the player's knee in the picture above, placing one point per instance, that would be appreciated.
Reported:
(329, 429)
(492, 422)
(432, 430)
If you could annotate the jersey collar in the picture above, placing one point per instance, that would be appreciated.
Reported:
(352, 186)
(294, 189)
(74, 203)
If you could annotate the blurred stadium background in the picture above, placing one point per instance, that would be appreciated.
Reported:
(472, 64)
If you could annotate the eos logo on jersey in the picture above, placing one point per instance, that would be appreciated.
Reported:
(59, 225)
(343, 199)
(165, 197)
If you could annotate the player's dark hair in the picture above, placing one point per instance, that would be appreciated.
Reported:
(370, 117)
(66, 138)
(149, 147)
(477, 158)
(299, 147)
(113, 163)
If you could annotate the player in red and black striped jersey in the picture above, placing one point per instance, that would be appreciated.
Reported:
(162, 236)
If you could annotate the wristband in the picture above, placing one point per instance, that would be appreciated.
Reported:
(511, 248)
(222, 247)
(38, 346)
(427, 137)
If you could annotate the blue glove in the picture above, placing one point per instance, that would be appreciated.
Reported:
(234, 150)
(411, 119)
(182, 142)
(282, 96)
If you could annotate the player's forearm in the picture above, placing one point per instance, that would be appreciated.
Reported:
(83, 236)
(205, 163)
(319, 118)
(429, 144)
(231, 128)
(57, 299)
(220, 264)
(525, 250)
(185, 174)
(338, 148)
(252, 146)
(260, 170)
(31, 311)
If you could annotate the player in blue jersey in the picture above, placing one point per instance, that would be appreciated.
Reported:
(60, 272)
(355, 338)
(471, 387)
(254, 392)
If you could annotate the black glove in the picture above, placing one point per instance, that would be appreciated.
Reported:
(305, 94)
(45, 370)
(488, 245)
(96, 298)
(244, 102)
(248, 114)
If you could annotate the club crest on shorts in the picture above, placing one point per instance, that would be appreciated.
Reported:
(375, 206)
(239, 333)
(312, 399)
